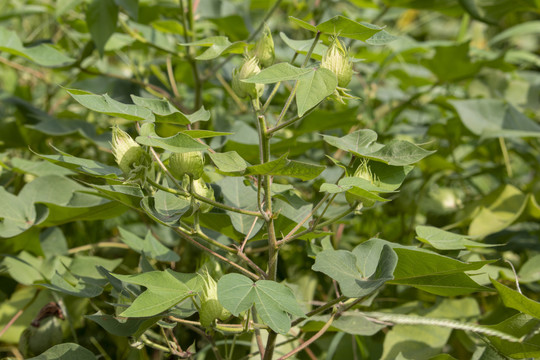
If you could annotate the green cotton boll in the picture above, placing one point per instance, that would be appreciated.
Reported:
(249, 68)
(336, 59)
(211, 308)
(189, 163)
(264, 48)
(36, 340)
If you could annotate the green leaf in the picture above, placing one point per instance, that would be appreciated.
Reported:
(179, 143)
(150, 246)
(272, 300)
(524, 328)
(16, 214)
(303, 24)
(360, 272)
(229, 161)
(303, 46)
(491, 118)
(204, 134)
(435, 273)
(39, 168)
(236, 193)
(122, 327)
(362, 143)
(445, 240)
(164, 207)
(515, 300)
(66, 351)
(129, 195)
(80, 288)
(165, 112)
(279, 72)
(344, 27)
(497, 211)
(130, 6)
(455, 57)
(217, 45)
(163, 291)
(101, 18)
(42, 54)
(341, 26)
(417, 263)
(285, 167)
(313, 88)
(519, 30)
(106, 105)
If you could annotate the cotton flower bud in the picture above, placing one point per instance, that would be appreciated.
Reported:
(264, 48)
(336, 59)
(211, 309)
(249, 68)
(130, 156)
(189, 163)
(200, 187)
(363, 172)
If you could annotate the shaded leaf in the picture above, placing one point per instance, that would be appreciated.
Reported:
(217, 45)
(66, 351)
(279, 72)
(42, 54)
(101, 18)
(494, 118)
(361, 271)
(286, 167)
(106, 105)
(150, 246)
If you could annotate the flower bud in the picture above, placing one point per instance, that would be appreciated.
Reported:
(336, 59)
(211, 309)
(264, 48)
(249, 68)
(189, 163)
(200, 187)
(130, 156)
(363, 171)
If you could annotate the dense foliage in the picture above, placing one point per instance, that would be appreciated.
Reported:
(269, 179)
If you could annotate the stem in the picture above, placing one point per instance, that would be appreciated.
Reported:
(272, 241)
(204, 199)
(172, 80)
(232, 94)
(105, 244)
(258, 333)
(505, 156)
(311, 340)
(186, 236)
(19, 313)
(292, 121)
(304, 220)
(320, 309)
(270, 346)
(209, 240)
